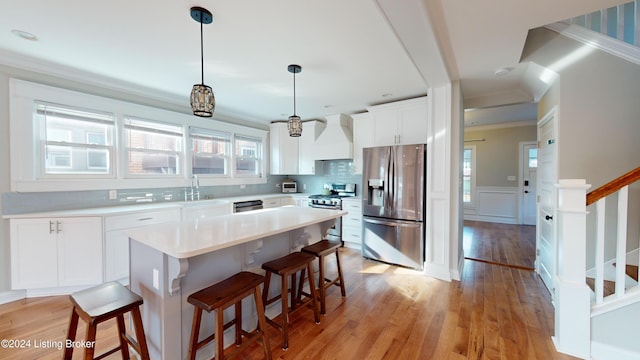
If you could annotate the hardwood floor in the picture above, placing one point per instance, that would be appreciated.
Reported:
(505, 244)
(494, 312)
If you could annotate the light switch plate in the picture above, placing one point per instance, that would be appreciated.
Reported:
(113, 194)
(511, 178)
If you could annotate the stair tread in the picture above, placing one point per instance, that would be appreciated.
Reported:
(631, 271)
(609, 286)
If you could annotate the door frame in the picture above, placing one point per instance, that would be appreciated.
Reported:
(521, 169)
(550, 116)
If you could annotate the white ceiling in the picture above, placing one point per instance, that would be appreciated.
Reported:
(353, 53)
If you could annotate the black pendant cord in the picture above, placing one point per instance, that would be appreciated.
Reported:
(201, 55)
(294, 93)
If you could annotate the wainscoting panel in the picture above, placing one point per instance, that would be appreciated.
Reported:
(494, 204)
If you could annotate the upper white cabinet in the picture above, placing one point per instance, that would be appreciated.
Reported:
(362, 138)
(293, 155)
(56, 252)
(401, 122)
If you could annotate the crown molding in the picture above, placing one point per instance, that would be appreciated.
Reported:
(599, 41)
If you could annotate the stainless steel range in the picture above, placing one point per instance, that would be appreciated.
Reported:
(333, 200)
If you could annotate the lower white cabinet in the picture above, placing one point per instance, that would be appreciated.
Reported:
(56, 252)
(352, 223)
(116, 242)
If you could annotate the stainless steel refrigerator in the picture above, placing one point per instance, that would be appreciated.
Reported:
(393, 183)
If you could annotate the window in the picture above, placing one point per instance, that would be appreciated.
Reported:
(248, 155)
(101, 143)
(533, 158)
(210, 151)
(75, 141)
(468, 175)
(153, 148)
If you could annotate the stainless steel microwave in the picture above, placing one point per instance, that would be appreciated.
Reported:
(289, 187)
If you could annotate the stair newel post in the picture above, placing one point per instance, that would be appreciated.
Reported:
(572, 295)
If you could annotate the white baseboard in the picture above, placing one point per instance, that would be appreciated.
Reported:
(13, 295)
(601, 351)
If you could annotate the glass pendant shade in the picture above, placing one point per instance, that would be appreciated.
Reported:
(294, 125)
(203, 102)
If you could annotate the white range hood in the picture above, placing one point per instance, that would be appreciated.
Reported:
(336, 141)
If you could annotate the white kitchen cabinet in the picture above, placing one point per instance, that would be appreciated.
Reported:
(362, 138)
(271, 202)
(293, 155)
(352, 223)
(401, 122)
(307, 151)
(300, 200)
(55, 252)
(116, 243)
(283, 150)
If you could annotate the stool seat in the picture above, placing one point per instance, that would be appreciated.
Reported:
(101, 303)
(287, 267)
(320, 250)
(226, 291)
(292, 262)
(220, 296)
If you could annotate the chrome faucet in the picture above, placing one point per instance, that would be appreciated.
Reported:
(193, 193)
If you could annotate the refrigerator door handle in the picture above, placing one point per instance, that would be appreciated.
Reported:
(381, 222)
(387, 184)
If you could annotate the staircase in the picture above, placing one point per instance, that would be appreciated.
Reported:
(595, 317)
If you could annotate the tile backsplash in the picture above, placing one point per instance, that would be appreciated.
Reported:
(331, 172)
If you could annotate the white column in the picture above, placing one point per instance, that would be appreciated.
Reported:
(572, 297)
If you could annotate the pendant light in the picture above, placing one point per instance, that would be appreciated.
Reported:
(294, 124)
(203, 102)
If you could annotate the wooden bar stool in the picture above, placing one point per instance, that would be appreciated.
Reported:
(287, 266)
(220, 296)
(320, 250)
(101, 303)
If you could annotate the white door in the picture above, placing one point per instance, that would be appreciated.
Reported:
(528, 178)
(546, 247)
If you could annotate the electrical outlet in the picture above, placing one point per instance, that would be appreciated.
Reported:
(243, 186)
(278, 185)
(113, 194)
(304, 186)
(156, 279)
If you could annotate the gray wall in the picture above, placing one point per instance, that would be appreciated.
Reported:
(598, 127)
(497, 157)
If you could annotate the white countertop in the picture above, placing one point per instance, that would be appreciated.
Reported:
(126, 209)
(191, 238)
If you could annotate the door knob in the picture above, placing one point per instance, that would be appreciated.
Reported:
(547, 217)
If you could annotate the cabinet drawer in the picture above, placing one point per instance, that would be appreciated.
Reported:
(352, 221)
(351, 234)
(352, 207)
(140, 219)
(270, 203)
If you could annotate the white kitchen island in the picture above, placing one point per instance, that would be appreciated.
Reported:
(170, 261)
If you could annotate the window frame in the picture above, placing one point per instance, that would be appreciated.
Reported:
(42, 141)
(228, 153)
(472, 176)
(25, 134)
(258, 157)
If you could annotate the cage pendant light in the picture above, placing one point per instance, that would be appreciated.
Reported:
(203, 102)
(294, 124)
